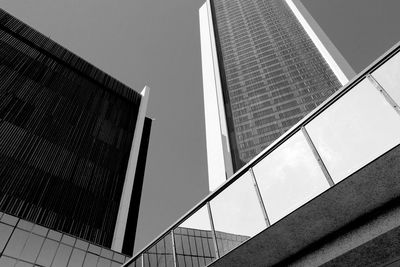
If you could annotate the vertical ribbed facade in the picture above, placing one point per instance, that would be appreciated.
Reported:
(66, 130)
(272, 74)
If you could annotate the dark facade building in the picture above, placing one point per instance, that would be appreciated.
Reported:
(73, 140)
(267, 72)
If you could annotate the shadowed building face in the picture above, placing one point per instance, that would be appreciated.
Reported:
(70, 139)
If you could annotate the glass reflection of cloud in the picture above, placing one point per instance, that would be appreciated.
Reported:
(289, 177)
(388, 76)
(237, 210)
(199, 220)
(355, 130)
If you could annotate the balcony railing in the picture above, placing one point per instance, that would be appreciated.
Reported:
(352, 128)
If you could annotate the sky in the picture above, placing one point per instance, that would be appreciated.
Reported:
(156, 43)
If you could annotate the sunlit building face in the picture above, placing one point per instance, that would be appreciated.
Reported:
(264, 69)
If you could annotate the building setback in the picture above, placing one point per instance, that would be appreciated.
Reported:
(72, 151)
(264, 68)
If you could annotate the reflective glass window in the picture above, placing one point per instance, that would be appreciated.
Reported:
(355, 130)
(103, 262)
(62, 256)
(90, 260)
(5, 232)
(388, 76)
(288, 177)
(16, 243)
(237, 214)
(106, 253)
(23, 264)
(116, 264)
(194, 240)
(81, 244)
(94, 249)
(160, 254)
(54, 235)
(39, 230)
(8, 219)
(118, 257)
(136, 263)
(25, 225)
(32, 248)
(68, 240)
(76, 258)
(47, 252)
(7, 262)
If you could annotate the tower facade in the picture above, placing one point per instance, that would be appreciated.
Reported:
(73, 141)
(264, 68)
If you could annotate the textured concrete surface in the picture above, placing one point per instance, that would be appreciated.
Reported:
(350, 205)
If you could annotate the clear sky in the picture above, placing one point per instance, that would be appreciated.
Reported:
(156, 43)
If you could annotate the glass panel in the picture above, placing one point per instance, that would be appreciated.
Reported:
(94, 249)
(106, 253)
(194, 230)
(103, 262)
(81, 244)
(62, 256)
(136, 263)
(32, 247)
(5, 232)
(289, 177)
(47, 252)
(23, 264)
(355, 130)
(7, 262)
(150, 259)
(180, 260)
(16, 243)
(8, 219)
(118, 257)
(77, 258)
(68, 240)
(160, 254)
(54, 235)
(388, 76)
(90, 260)
(40, 230)
(237, 214)
(25, 225)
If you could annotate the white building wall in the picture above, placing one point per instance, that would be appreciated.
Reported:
(218, 152)
(123, 211)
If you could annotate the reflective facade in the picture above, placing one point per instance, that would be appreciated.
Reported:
(67, 132)
(358, 125)
(271, 73)
(23, 243)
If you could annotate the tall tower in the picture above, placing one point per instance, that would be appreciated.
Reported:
(73, 141)
(265, 66)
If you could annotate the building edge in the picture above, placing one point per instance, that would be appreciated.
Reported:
(219, 158)
(339, 65)
(123, 211)
(134, 206)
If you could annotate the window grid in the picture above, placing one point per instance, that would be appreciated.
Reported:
(29, 243)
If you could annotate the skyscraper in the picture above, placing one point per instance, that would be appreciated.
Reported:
(73, 141)
(326, 193)
(264, 68)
